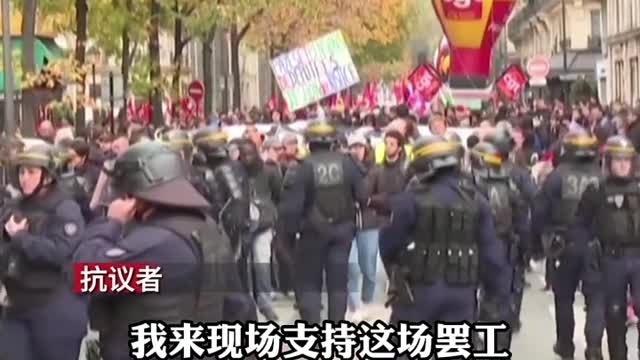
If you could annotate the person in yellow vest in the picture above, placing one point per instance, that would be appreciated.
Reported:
(400, 125)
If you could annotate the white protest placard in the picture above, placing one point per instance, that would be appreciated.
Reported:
(319, 69)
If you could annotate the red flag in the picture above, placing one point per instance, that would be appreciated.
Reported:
(371, 96)
(426, 81)
(348, 100)
(398, 91)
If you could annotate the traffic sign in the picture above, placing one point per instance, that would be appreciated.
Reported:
(538, 68)
(196, 90)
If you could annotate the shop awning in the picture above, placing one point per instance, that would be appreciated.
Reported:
(46, 50)
(579, 63)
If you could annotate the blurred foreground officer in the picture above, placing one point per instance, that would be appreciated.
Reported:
(226, 182)
(441, 234)
(44, 319)
(611, 214)
(511, 219)
(168, 228)
(554, 212)
(322, 200)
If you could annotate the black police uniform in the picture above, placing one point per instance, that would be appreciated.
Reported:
(178, 236)
(609, 219)
(226, 182)
(554, 211)
(322, 201)
(511, 219)
(44, 319)
(223, 182)
(439, 237)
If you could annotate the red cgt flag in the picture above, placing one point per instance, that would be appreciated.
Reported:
(426, 81)
(512, 82)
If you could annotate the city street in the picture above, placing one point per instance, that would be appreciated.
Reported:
(535, 341)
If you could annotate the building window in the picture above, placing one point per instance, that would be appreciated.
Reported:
(595, 23)
(618, 78)
(617, 25)
(633, 78)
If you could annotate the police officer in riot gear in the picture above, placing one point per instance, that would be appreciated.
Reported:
(511, 219)
(322, 201)
(168, 227)
(178, 140)
(44, 319)
(609, 215)
(503, 140)
(439, 237)
(226, 182)
(554, 212)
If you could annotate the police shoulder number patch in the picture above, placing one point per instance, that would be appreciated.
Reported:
(115, 252)
(70, 229)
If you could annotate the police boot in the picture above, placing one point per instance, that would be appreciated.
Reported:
(563, 352)
(593, 354)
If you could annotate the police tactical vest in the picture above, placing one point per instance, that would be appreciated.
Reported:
(177, 302)
(617, 220)
(575, 179)
(333, 197)
(501, 194)
(444, 244)
(20, 274)
(230, 197)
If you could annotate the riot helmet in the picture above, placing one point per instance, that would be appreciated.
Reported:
(320, 134)
(211, 143)
(579, 144)
(40, 156)
(434, 153)
(485, 160)
(178, 140)
(620, 157)
(452, 136)
(63, 155)
(157, 174)
(502, 140)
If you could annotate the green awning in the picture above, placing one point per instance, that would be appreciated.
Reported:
(46, 50)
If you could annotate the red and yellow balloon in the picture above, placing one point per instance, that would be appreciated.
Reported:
(471, 28)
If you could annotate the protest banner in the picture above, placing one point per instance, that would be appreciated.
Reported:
(512, 82)
(426, 81)
(319, 69)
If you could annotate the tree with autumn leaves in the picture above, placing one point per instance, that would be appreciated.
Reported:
(376, 31)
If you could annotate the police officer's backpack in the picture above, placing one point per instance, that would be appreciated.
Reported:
(216, 260)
